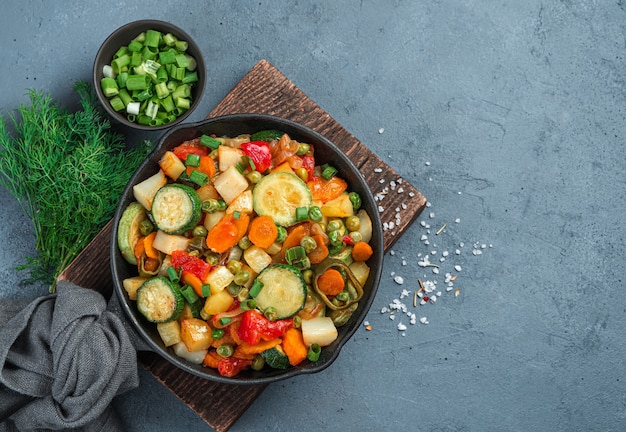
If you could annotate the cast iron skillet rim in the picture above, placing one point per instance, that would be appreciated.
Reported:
(271, 375)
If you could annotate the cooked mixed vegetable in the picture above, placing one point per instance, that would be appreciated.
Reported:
(249, 255)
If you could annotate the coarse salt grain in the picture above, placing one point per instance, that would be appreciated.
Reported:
(401, 327)
(399, 280)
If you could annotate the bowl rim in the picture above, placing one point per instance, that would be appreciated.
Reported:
(277, 375)
(146, 24)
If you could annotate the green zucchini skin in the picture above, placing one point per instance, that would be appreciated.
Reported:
(266, 135)
(159, 301)
(128, 230)
(275, 358)
(284, 289)
(176, 208)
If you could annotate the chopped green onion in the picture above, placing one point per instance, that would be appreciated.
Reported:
(225, 350)
(248, 304)
(167, 57)
(302, 214)
(172, 274)
(137, 82)
(198, 178)
(182, 46)
(225, 321)
(183, 103)
(135, 46)
(133, 108)
(314, 352)
(206, 290)
(256, 288)
(169, 39)
(237, 215)
(120, 63)
(295, 254)
(328, 171)
(116, 103)
(192, 160)
(271, 313)
(217, 333)
(109, 87)
(190, 78)
(208, 141)
(153, 38)
(282, 234)
(189, 294)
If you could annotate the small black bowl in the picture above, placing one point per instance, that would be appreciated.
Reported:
(233, 125)
(121, 37)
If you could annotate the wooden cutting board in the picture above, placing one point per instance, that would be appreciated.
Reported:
(264, 89)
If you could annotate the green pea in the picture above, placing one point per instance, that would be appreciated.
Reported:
(258, 362)
(241, 277)
(254, 177)
(302, 173)
(233, 266)
(308, 243)
(315, 214)
(146, 227)
(200, 231)
(334, 225)
(303, 149)
(355, 199)
(244, 243)
(356, 236)
(353, 223)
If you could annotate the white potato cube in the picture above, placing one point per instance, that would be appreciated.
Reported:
(145, 191)
(319, 330)
(257, 258)
(230, 184)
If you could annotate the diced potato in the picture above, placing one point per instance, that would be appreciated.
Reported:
(228, 156)
(168, 243)
(207, 192)
(211, 219)
(219, 278)
(366, 225)
(169, 332)
(230, 184)
(195, 357)
(361, 271)
(338, 207)
(132, 284)
(218, 302)
(243, 203)
(196, 334)
(274, 248)
(257, 258)
(186, 312)
(145, 191)
(171, 165)
(319, 330)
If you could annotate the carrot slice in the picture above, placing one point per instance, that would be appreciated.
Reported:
(194, 281)
(263, 231)
(211, 359)
(224, 235)
(361, 251)
(294, 347)
(247, 349)
(241, 222)
(331, 282)
(151, 252)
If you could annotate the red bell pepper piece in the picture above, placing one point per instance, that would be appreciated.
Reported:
(192, 264)
(254, 327)
(231, 366)
(260, 154)
(308, 163)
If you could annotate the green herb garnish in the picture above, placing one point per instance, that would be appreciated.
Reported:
(67, 171)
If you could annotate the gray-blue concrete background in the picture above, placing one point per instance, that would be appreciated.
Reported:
(508, 115)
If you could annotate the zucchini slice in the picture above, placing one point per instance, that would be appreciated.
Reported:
(128, 230)
(176, 208)
(279, 195)
(284, 289)
(159, 301)
(266, 135)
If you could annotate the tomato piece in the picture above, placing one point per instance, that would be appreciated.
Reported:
(259, 152)
(190, 147)
(192, 264)
(325, 190)
(231, 366)
(254, 327)
(308, 163)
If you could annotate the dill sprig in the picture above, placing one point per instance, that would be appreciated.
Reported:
(67, 172)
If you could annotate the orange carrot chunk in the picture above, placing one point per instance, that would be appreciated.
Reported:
(331, 282)
(362, 251)
(263, 231)
(224, 235)
(294, 347)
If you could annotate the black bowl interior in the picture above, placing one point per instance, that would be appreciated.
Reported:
(233, 125)
(121, 37)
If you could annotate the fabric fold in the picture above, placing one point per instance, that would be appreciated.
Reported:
(72, 356)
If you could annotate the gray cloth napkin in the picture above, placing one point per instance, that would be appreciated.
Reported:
(63, 358)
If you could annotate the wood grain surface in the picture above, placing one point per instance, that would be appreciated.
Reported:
(264, 89)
